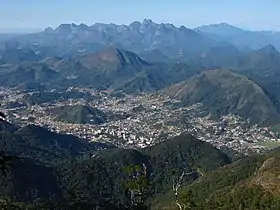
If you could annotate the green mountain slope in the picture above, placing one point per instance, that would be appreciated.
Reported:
(159, 76)
(49, 97)
(42, 145)
(223, 92)
(30, 73)
(148, 80)
(108, 68)
(28, 180)
(111, 68)
(99, 181)
(113, 58)
(79, 114)
(105, 172)
(155, 56)
(183, 153)
(251, 183)
(265, 58)
(7, 127)
(17, 56)
(262, 66)
(102, 177)
(224, 55)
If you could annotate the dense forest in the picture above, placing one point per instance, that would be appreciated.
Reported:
(51, 171)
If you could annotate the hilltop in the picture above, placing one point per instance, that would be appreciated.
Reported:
(79, 114)
(223, 92)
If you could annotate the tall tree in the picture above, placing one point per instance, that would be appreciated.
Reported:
(137, 185)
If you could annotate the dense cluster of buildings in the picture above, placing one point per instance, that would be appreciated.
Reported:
(150, 119)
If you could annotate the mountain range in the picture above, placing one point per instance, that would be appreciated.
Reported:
(256, 75)
(109, 68)
(144, 38)
(136, 37)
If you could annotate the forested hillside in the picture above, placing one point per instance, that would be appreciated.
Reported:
(103, 175)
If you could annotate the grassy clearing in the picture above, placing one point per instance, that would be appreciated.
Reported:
(269, 144)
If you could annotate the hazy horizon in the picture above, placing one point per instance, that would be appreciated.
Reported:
(31, 14)
(34, 30)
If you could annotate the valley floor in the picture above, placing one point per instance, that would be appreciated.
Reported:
(144, 120)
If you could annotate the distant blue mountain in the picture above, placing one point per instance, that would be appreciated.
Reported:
(239, 37)
(139, 37)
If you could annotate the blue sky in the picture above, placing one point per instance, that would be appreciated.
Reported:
(250, 14)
